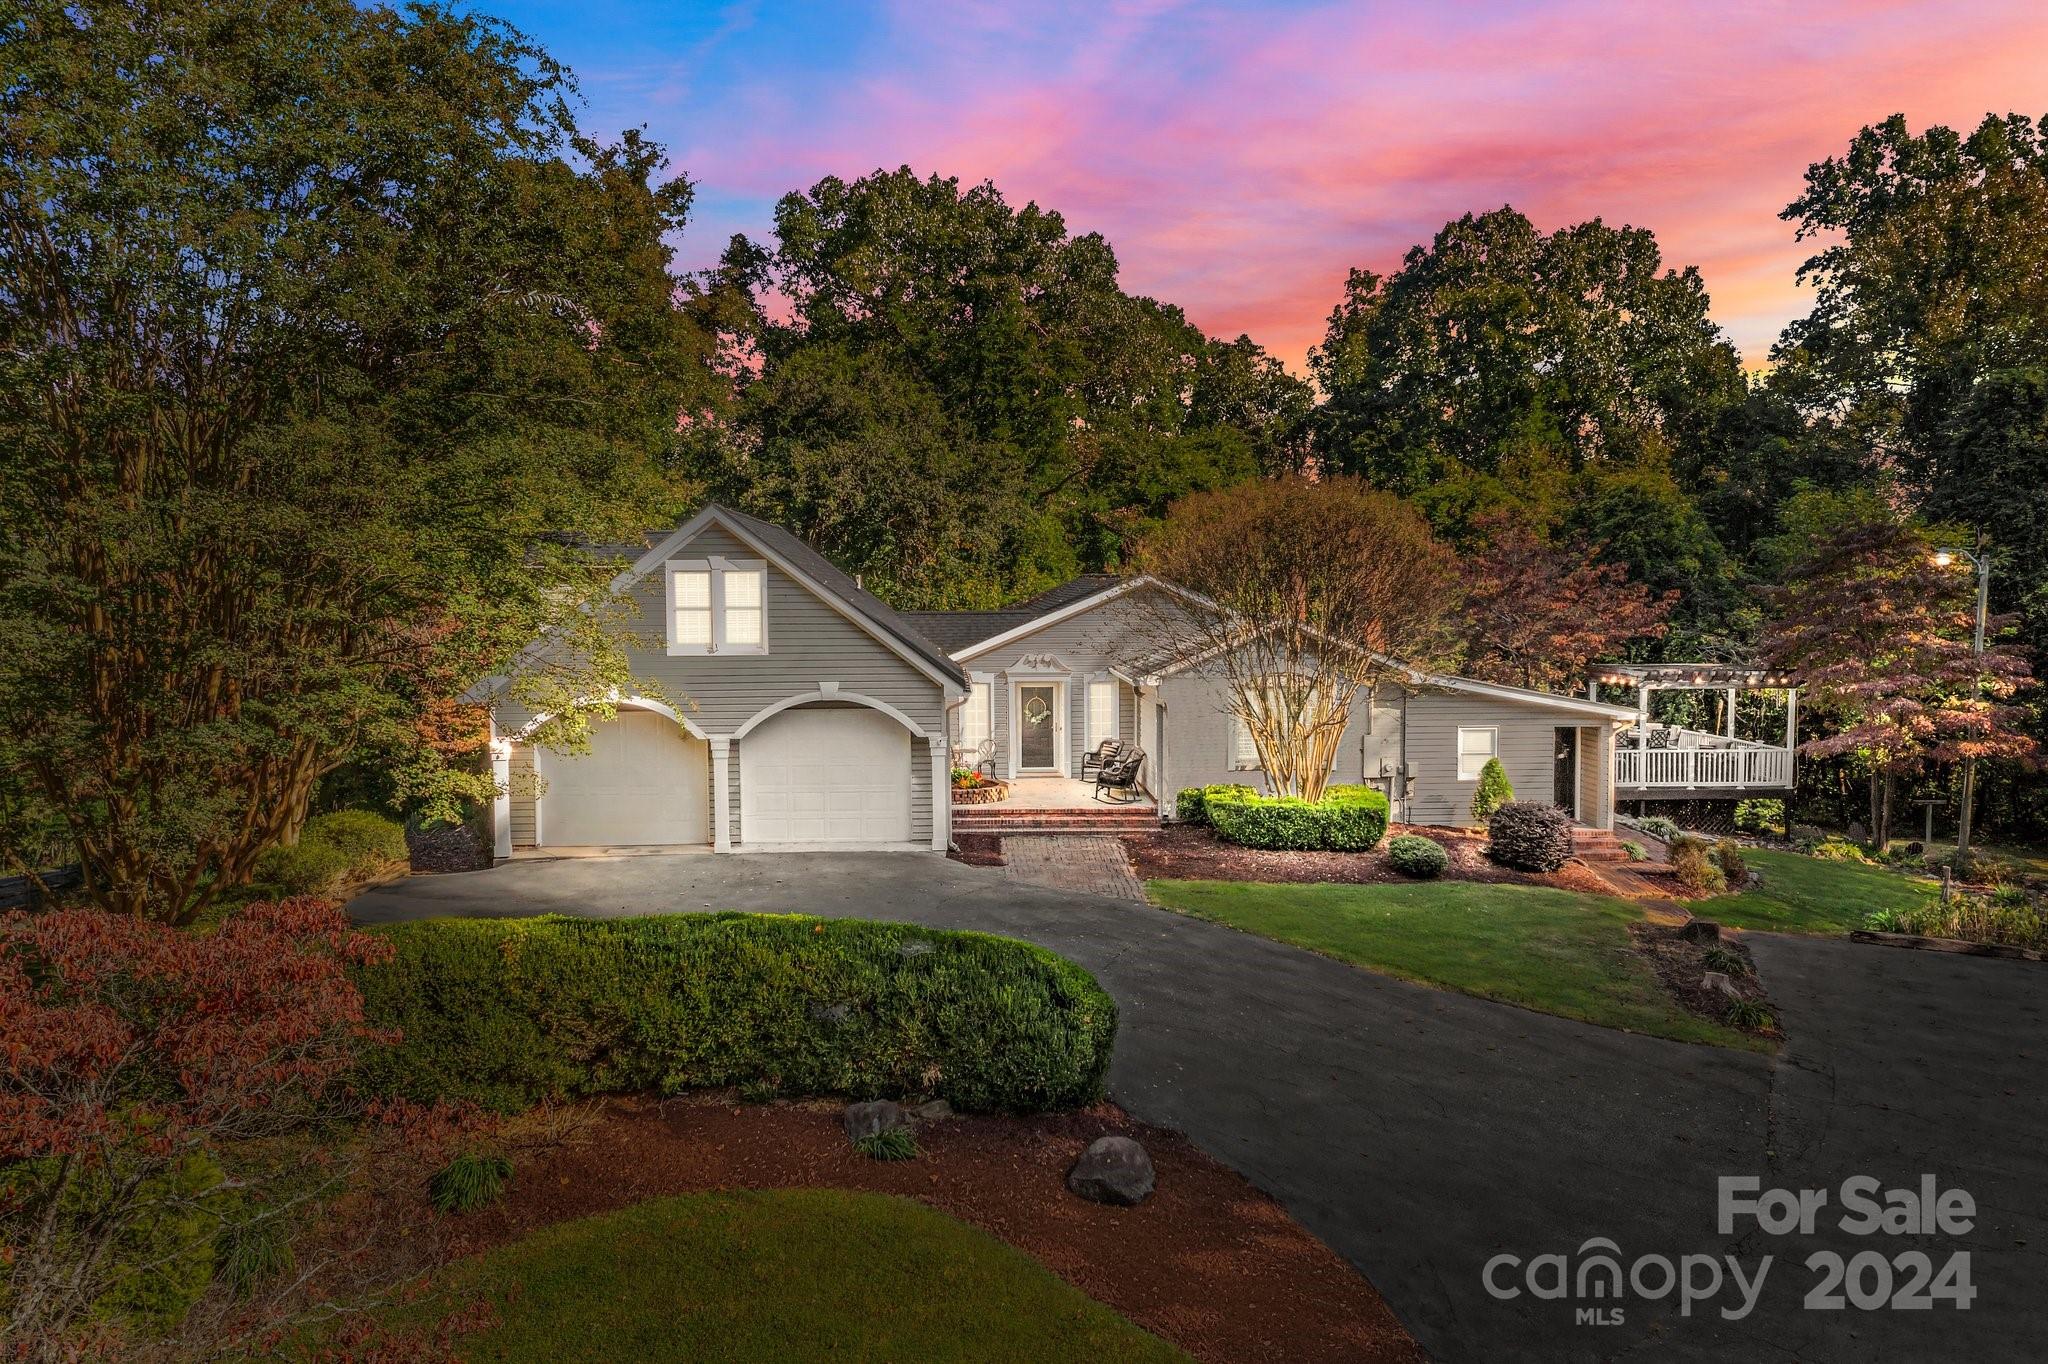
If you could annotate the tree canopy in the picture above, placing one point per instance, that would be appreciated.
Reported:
(324, 335)
(955, 397)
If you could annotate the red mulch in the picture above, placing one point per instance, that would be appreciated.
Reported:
(1208, 1262)
(1183, 852)
(979, 850)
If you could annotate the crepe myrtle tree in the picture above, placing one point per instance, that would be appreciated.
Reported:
(1298, 594)
(326, 341)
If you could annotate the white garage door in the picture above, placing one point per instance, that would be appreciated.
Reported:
(643, 781)
(826, 776)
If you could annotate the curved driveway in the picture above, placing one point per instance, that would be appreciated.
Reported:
(1421, 1133)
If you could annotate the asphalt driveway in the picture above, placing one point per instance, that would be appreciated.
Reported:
(1422, 1133)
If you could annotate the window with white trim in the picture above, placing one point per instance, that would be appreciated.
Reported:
(977, 716)
(717, 606)
(1475, 746)
(1102, 712)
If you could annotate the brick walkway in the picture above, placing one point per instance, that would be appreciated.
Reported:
(1085, 862)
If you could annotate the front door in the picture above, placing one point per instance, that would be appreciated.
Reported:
(1038, 726)
(1567, 789)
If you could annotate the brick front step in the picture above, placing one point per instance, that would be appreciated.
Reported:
(1597, 845)
(984, 820)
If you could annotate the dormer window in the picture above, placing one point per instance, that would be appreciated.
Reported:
(717, 606)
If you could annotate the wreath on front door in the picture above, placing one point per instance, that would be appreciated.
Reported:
(1036, 711)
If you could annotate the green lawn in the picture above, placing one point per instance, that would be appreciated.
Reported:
(790, 1274)
(1555, 951)
(1802, 894)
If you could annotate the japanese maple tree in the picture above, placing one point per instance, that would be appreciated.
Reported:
(1882, 635)
(1536, 614)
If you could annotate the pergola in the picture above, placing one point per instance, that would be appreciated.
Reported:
(1722, 677)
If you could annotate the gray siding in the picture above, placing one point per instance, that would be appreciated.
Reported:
(522, 795)
(1596, 776)
(1527, 750)
(809, 642)
(1077, 650)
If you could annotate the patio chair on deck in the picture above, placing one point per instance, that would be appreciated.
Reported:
(1103, 752)
(1120, 774)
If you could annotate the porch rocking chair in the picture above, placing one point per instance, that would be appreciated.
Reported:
(1120, 774)
(1103, 752)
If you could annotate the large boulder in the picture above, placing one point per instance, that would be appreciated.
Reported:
(1113, 1170)
(1700, 930)
(865, 1120)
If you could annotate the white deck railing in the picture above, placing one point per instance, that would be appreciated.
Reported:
(1727, 768)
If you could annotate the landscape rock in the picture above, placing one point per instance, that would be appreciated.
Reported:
(864, 1120)
(1857, 833)
(930, 1112)
(1807, 833)
(1700, 930)
(1113, 1170)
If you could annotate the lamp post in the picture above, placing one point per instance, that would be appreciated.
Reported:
(1944, 557)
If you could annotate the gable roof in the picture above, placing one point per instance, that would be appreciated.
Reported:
(814, 571)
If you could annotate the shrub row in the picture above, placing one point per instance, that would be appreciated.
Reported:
(1346, 819)
(1531, 835)
(332, 848)
(1190, 805)
(507, 1012)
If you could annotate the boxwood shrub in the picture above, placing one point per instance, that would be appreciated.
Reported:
(509, 1011)
(1346, 819)
(1190, 804)
(332, 848)
(1529, 834)
(1414, 855)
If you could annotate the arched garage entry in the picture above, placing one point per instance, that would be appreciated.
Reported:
(644, 781)
(827, 769)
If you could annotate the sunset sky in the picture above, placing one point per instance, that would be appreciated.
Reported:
(1241, 157)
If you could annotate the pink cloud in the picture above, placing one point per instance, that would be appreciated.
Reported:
(1242, 161)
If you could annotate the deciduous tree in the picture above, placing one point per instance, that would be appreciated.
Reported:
(1882, 636)
(325, 337)
(1305, 594)
(1536, 614)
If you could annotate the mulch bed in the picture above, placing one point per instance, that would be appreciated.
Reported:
(452, 847)
(1208, 1262)
(979, 850)
(1183, 852)
(1679, 966)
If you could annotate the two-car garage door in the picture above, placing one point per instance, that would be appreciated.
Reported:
(828, 774)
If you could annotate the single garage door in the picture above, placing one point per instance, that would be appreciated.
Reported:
(831, 775)
(643, 781)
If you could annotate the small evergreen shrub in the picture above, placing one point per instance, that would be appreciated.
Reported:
(1728, 857)
(1760, 816)
(1693, 867)
(894, 1143)
(1414, 855)
(304, 868)
(1657, 826)
(1190, 804)
(469, 1182)
(508, 1012)
(1634, 851)
(1346, 819)
(1530, 835)
(1494, 791)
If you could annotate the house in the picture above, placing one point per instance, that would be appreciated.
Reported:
(805, 713)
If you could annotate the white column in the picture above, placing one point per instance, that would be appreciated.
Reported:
(1791, 717)
(721, 793)
(1731, 712)
(942, 793)
(501, 800)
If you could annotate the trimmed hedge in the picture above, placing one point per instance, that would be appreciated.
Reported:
(1414, 855)
(1190, 803)
(1531, 835)
(1346, 819)
(510, 1011)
